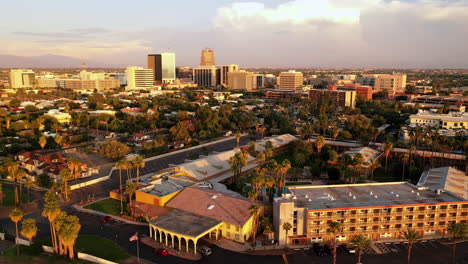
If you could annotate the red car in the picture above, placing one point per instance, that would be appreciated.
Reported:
(161, 251)
(106, 219)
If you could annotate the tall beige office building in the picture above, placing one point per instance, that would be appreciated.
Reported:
(392, 83)
(207, 57)
(139, 78)
(225, 69)
(241, 80)
(205, 76)
(291, 80)
(22, 78)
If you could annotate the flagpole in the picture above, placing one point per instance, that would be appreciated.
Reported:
(138, 250)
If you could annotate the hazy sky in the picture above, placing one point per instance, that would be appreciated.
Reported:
(276, 33)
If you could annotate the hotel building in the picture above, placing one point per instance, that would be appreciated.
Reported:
(453, 120)
(378, 210)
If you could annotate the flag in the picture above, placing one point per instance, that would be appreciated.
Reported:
(134, 237)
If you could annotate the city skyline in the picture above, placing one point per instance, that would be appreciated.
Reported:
(300, 33)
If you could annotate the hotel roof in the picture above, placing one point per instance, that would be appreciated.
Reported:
(163, 187)
(445, 178)
(363, 195)
(276, 141)
(367, 153)
(221, 206)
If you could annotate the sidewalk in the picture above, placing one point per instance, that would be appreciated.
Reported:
(180, 254)
(246, 249)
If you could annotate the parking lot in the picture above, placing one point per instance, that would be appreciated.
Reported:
(425, 251)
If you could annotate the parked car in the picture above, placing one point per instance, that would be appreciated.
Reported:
(348, 249)
(161, 251)
(319, 251)
(106, 219)
(204, 250)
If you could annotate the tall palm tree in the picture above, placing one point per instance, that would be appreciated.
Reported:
(254, 212)
(66, 176)
(286, 227)
(28, 184)
(335, 228)
(68, 227)
(58, 139)
(373, 164)
(75, 166)
(121, 165)
(51, 211)
(130, 189)
(411, 237)
(404, 157)
(457, 230)
(16, 215)
(262, 130)
(319, 143)
(139, 163)
(361, 242)
(29, 228)
(17, 175)
(252, 147)
(388, 147)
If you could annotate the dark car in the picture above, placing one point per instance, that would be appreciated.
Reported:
(319, 250)
(328, 249)
(348, 249)
(106, 219)
(161, 251)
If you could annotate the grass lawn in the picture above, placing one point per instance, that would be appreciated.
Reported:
(101, 247)
(108, 206)
(9, 196)
(93, 245)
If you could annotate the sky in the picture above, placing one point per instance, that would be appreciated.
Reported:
(254, 33)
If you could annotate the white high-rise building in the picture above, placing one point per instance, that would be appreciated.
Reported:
(22, 78)
(139, 78)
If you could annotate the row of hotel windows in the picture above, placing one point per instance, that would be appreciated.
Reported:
(387, 227)
(397, 218)
(228, 226)
(389, 210)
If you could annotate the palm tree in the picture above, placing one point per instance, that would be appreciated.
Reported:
(254, 212)
(373, 164)
(28, 184)
(361, 242)
(139, 163)
(130, 189)
(286, 227)
(335, 228)
(457, 230)
(404, 157)
(42, 142)
(66, 176)
(17, 175)
(238, 161)
(29, 228)
(262, 130)
(75, 166)
(68, 227)
(252, 147)
(283, 169)
(319, 143)
(16, 215)
(51, 211)
(238, 136)
(412, 237)
(121, 165)
(388, 147)
(58, 139)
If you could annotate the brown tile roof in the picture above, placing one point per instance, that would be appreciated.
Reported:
(220, 206)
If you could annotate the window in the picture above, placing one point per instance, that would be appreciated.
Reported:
(228, 226)
(376, 211)
(228, 234)
(237, 237)
(237, 228)
(453, 206)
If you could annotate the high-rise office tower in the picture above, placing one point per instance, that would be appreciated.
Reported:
(290, 80)
(139, 78)
(225, 69)
(205, 76)
(207, 57)
(163, 66)
(22, 78)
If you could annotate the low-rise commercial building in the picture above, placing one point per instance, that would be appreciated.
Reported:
(453, 120)
(62, 118)
(378, 210)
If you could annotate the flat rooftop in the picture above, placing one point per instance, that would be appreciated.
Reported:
(163, 187)
(364, 195)
(185, 223)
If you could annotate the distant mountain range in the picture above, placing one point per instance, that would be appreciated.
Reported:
(45, 61)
